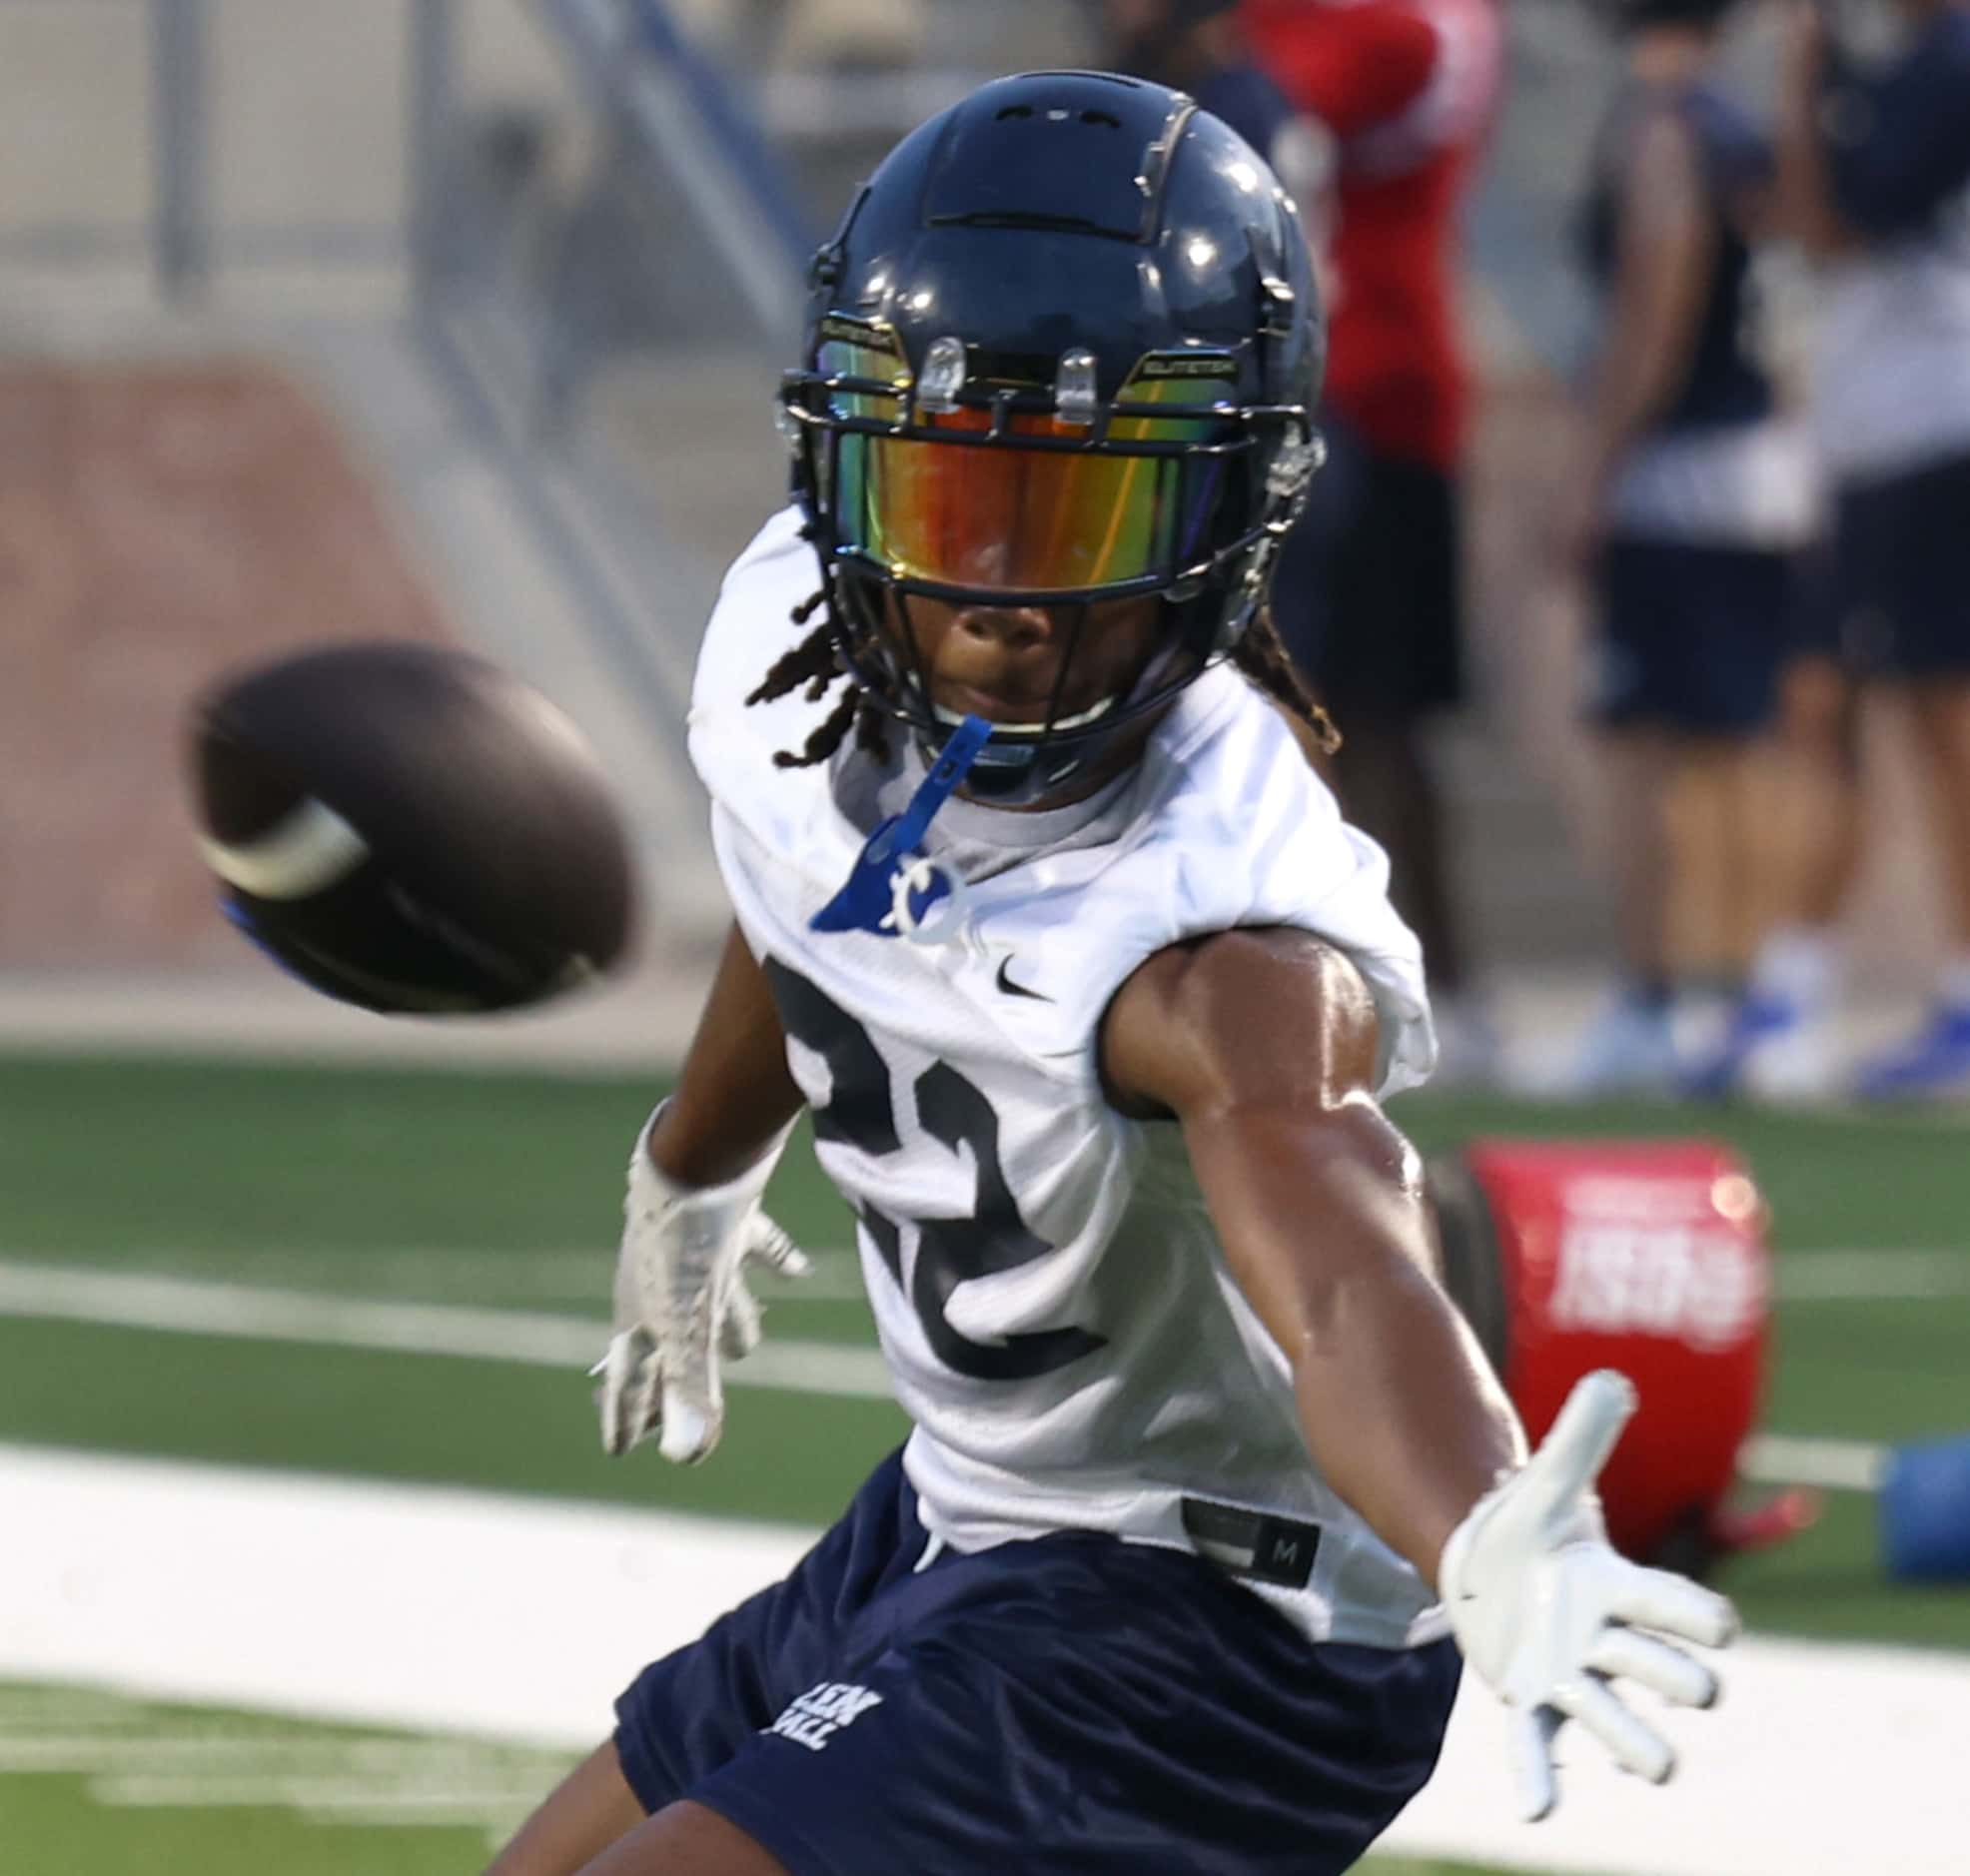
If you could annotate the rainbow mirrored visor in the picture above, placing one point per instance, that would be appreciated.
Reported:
(991, 497)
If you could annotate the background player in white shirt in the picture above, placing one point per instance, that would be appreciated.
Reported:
(1092, 997)
(1874, 173)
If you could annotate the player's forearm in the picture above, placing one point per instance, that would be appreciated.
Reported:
(1328, 1231)
(735, 1093)
(1399, 1409)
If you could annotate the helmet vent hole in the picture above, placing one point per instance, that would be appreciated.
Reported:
(1015, 110)
(1101, 117)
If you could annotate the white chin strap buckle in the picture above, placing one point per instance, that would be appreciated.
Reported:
(942, 918)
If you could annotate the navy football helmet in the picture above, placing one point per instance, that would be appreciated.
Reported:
(1065, 349)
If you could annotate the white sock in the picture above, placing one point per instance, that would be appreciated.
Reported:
(1953, 981)
(1800, 964)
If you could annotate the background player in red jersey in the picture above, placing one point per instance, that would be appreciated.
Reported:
(1369, 603)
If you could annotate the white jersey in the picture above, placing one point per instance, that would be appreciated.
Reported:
(1050, 1295)
(1728, 486)
(1892, 372)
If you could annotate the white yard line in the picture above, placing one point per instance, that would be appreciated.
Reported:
(1872, 1275)
(847, 1370)
(520, 1618)
(186, 1306)
(138, 1756)
(1831, 1464)
(447, 1274)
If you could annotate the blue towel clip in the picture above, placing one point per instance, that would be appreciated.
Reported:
(868, 901)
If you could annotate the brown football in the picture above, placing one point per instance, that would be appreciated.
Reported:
(411, 828)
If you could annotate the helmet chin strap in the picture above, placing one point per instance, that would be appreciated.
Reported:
(894, 889)
(1250, 582)
(1029, 771)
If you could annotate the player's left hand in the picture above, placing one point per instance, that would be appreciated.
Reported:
(1548, 1613)
(681, 1303)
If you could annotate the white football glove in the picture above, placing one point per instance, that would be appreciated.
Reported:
(681, 1303)
(1547, 1611)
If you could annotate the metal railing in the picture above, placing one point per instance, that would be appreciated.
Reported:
(493, 309)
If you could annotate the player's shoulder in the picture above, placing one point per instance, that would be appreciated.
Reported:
(1925, 79)
(1233, 831)
(753, 621)
(1238, 1015)
(1227, 788)
(1725, 139)
(761, 614)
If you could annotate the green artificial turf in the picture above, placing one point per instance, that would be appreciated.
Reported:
(503, 1190)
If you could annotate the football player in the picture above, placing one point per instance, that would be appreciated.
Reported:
(1694, 498)
(1093, 999)
(1874, 180)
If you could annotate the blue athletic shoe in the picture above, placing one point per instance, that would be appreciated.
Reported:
(1628, 1049)
(1933, 1064)
(1761, 1025)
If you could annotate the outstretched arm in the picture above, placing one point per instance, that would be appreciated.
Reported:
(1263, 1045)
(735, 1093)
(691, 1223)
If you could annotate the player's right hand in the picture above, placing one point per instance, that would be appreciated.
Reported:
(1548, 1613)
(681, 1304)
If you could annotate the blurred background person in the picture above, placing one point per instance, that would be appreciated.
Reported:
(838, 36)
(1693, 499)
(1874, 171)
(1369, 596)
(1197, 46)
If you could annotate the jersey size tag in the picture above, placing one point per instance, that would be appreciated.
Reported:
(868, 900)
(1251, 1543)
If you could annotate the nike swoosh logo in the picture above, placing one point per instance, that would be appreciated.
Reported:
(1012, 989)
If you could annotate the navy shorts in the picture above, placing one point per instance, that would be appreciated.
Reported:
(1693, 637)
(1069, 1703)
(1899, 603)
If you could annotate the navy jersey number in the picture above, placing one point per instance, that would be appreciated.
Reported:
(991, 1237)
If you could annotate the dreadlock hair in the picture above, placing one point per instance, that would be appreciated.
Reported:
(1260, 657)
(815, 663)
